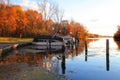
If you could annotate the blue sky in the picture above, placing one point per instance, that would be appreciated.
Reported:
(98, 16)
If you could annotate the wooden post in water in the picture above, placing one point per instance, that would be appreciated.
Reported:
(63, 65)
(76, 47)
(86, 50)
(107, 55)
(50, 44)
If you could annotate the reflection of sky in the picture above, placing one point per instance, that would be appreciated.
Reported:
(75, 68)
(95, 66)
(99, 47)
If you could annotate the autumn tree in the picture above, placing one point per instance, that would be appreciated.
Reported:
(70, 28)
(3, 21)
(14, 22)
(21, 21)
(78, 30)
(34, 22)
(11, 17)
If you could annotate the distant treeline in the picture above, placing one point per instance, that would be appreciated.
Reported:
(117, 34)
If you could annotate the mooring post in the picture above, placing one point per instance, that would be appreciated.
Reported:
(76, 47)
(63, 64)
(107, 55)
(50, 44)
(47, 44)
(107, 46)
(86, 50)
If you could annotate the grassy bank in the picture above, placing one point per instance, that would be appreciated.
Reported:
(14, 40)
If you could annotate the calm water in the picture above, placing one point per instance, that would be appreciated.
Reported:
(73, 63)
(95, 67)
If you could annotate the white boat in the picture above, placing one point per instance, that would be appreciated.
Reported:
(49, 41)
(44, 42)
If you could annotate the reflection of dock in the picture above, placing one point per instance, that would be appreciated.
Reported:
(43, 49)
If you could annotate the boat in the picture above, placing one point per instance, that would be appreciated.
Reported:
(49, 42)
(68, 40)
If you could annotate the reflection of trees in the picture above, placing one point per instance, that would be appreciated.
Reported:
(118, 43)
(77, 49)
(38, 59)
(47, 61)
(27, 58)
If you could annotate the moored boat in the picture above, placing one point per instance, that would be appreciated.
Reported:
(48, 40)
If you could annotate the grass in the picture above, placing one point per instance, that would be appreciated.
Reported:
(14, 40)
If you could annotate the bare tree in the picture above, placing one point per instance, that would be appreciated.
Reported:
(47, 8)
(2, 2)
(51, 10)
(59, 13)
(7, 2)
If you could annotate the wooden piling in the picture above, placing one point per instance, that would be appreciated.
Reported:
(107, 47)
(63, 64)
(86, 50)
(107, 55)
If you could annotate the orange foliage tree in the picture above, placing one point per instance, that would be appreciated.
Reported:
(3, 20)
(77, 30)
(14, 22)
(21, 21)
(34, 26)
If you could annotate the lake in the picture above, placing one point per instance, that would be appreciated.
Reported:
(71, 64)
(95, 66)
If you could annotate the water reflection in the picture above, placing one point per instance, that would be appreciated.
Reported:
(72, 62)
(107, 53)
(107, 62)
(50, 60)
(86, 56)
(63, 63)
(118, 43)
